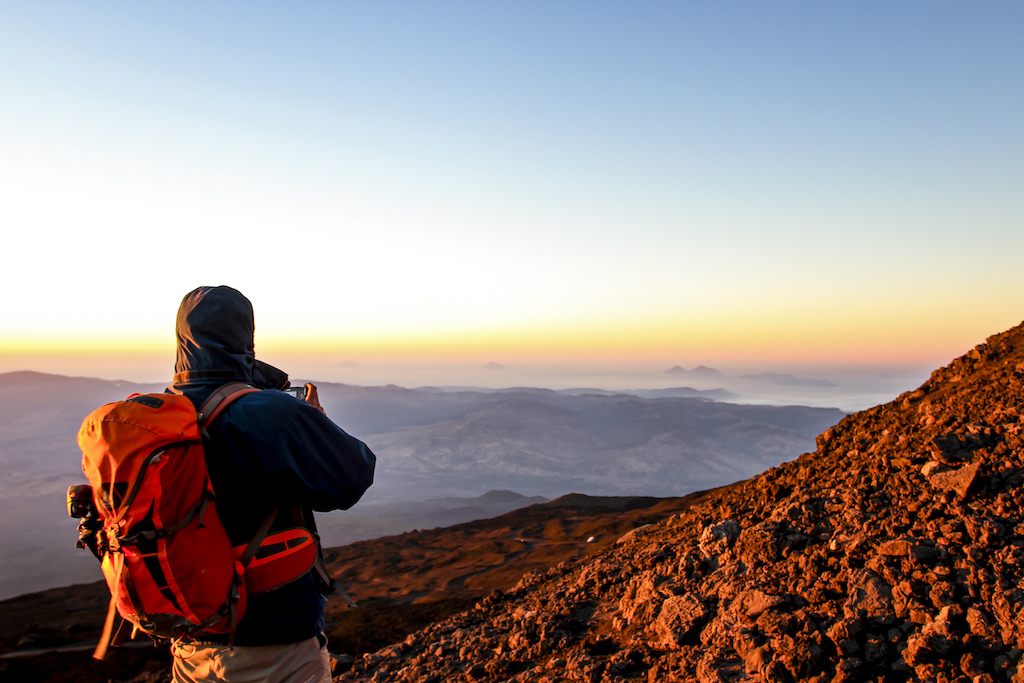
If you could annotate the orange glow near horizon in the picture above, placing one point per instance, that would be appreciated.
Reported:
(829, 338)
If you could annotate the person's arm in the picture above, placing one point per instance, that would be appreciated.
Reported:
(296, 453)
(333, 468)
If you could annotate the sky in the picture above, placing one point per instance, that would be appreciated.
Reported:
(528, 183)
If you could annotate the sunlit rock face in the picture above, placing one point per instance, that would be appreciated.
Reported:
(894, 552)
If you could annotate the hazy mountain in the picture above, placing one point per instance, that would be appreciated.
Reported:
(699, 372)
(547, 444)
(787, 380)
(39, 458)
(705, 372)
(670, 392)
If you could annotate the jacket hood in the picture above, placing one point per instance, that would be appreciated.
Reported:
(214, 330)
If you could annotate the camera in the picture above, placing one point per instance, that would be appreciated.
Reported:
(297, 392)
(81, 506)
(80, 503)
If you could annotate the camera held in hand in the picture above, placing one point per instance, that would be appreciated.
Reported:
(297, 392)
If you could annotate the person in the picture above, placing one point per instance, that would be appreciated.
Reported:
(266, 449)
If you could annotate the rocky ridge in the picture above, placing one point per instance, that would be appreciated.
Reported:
(894, 552)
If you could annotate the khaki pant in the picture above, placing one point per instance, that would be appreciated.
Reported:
(303, 662)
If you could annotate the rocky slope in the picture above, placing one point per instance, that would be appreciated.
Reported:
(895, 552)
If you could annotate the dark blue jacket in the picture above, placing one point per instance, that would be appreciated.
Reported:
(267, 448)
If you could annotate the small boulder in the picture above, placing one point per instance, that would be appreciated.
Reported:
(868, 594)
(630, 535)
(679, 618)
(716, 538)
(752, 603)
(340, 663)
(959, 481)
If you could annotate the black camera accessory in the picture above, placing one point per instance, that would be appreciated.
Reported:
(80, 506)
(80, 501)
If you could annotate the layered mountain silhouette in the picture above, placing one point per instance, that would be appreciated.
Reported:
(548, 443)
(786, 379)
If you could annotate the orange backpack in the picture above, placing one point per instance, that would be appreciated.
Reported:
(167, 560)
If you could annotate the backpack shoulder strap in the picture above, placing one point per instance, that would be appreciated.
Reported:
(219, 400)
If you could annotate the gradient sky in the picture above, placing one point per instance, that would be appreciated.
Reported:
(813, 181)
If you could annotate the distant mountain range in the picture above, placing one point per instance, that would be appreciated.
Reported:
(782, 379)
(787, 380)
(541, 442)
(437, 452)
(669, 392)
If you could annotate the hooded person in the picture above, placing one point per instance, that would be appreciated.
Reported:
(266, 449)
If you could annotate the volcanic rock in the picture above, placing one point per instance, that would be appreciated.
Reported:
(679, 616)
(959, 480)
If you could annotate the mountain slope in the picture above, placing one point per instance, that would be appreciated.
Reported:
(895, 552)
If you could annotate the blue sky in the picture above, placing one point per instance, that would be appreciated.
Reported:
(686, 180)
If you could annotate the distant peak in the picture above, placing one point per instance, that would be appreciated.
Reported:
(500, 496)
(699, 371)
(495, 366)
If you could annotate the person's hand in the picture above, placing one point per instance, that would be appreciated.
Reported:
(312, 398)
